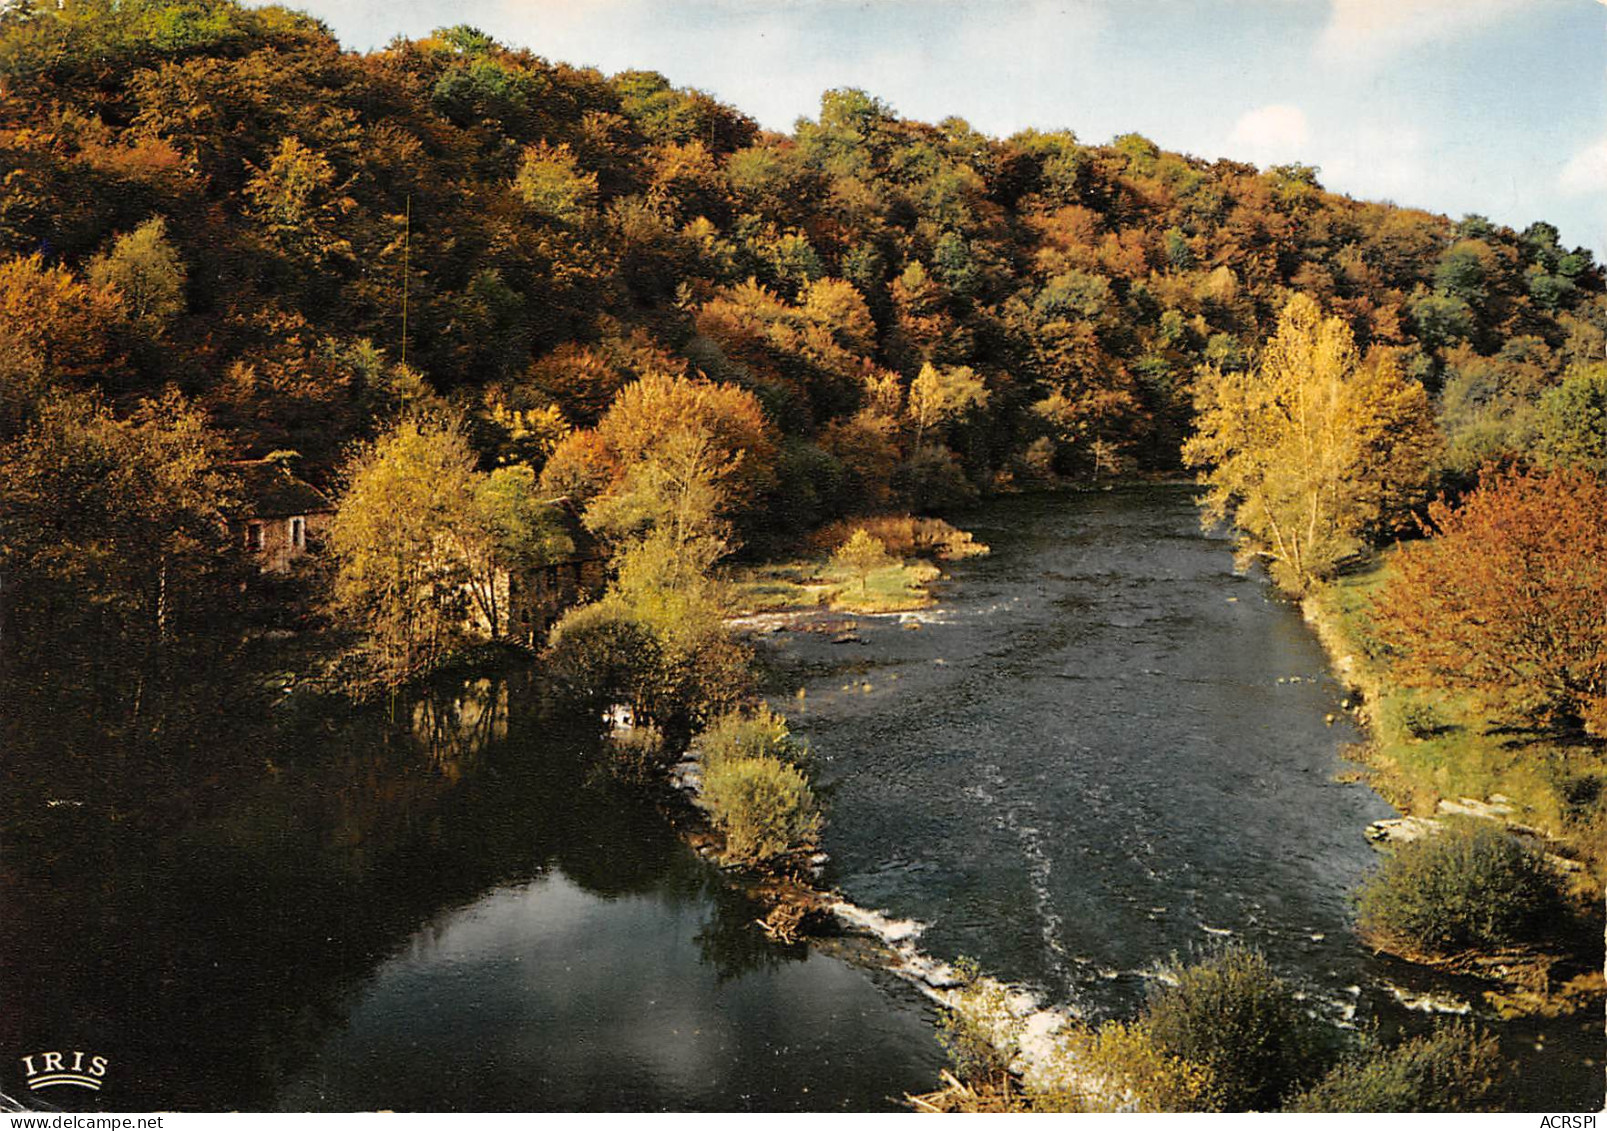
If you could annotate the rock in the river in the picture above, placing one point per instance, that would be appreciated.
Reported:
(1399, 830)
(1430, 1002)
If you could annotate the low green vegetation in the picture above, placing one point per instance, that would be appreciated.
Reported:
(814, 583)
(880, 564)
(760, 733)
(1223, 1034)
(1472, 886)
(1238, 1022)
(1125, 1058)
(862, 555)
(1453, 1068)
(979, 1033)
(755, 793)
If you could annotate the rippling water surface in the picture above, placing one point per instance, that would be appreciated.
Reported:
(1103, 749)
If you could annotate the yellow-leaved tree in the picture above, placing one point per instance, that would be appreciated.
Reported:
(940, 395)
(1312, 452)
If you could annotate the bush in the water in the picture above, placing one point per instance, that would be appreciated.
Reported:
(978, 1031)
(1471, 886)
(1233, 1017)
(764, 807)
(675, 677)
(1229, 1035)
(601, 655)
(1454, 1068)
(739, 734)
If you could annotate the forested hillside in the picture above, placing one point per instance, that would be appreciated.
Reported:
(216, 199)
(224, 237)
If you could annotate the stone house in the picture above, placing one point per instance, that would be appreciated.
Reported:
(281, 517)
(529, 601)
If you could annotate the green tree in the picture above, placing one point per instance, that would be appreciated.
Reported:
(115, 544)
(1572, 421)
(862, 555)
(551, 181)
(1314, 450)
(396, 580)
(146, 272)
(941, 395)
(507, 530)
(688, 457)
(299, 203)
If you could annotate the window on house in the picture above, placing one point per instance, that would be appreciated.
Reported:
(254, 536)
(298, 533)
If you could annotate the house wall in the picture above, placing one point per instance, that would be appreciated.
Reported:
(539, 598)
(278, 549)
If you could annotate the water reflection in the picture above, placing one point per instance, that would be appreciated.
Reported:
(541, 995)
(389, 895)
(455, 722)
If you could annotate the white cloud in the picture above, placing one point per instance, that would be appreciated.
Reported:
(1586, 171)
(1367, 31)
(981, 59)
(1270, 135)
(1381, 161)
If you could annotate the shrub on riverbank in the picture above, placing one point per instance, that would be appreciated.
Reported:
(1453, 1068)
(1136, 1071)
(677, 678)
(1470, 887)
(1227, 1035)
(757, 734)
(764, 807)
(1237, 1020)
(978, 1031)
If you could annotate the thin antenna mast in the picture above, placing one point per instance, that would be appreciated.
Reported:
(407, 235)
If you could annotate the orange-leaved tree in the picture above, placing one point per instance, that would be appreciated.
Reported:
(1508, 599)
(673, 453)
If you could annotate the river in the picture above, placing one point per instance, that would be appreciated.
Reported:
(1102, 749)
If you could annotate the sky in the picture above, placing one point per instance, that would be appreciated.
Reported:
(1491, 106)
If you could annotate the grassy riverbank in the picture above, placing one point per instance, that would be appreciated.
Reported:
(810, 583)
(1427, 746)
(818, 579)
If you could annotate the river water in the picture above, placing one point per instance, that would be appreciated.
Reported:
(1102, 749)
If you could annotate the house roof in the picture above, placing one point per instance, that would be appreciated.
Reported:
(268, 490)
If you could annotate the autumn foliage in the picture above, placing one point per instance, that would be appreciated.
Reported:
(711, 335)
(1508, 598)
(1314, 452)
